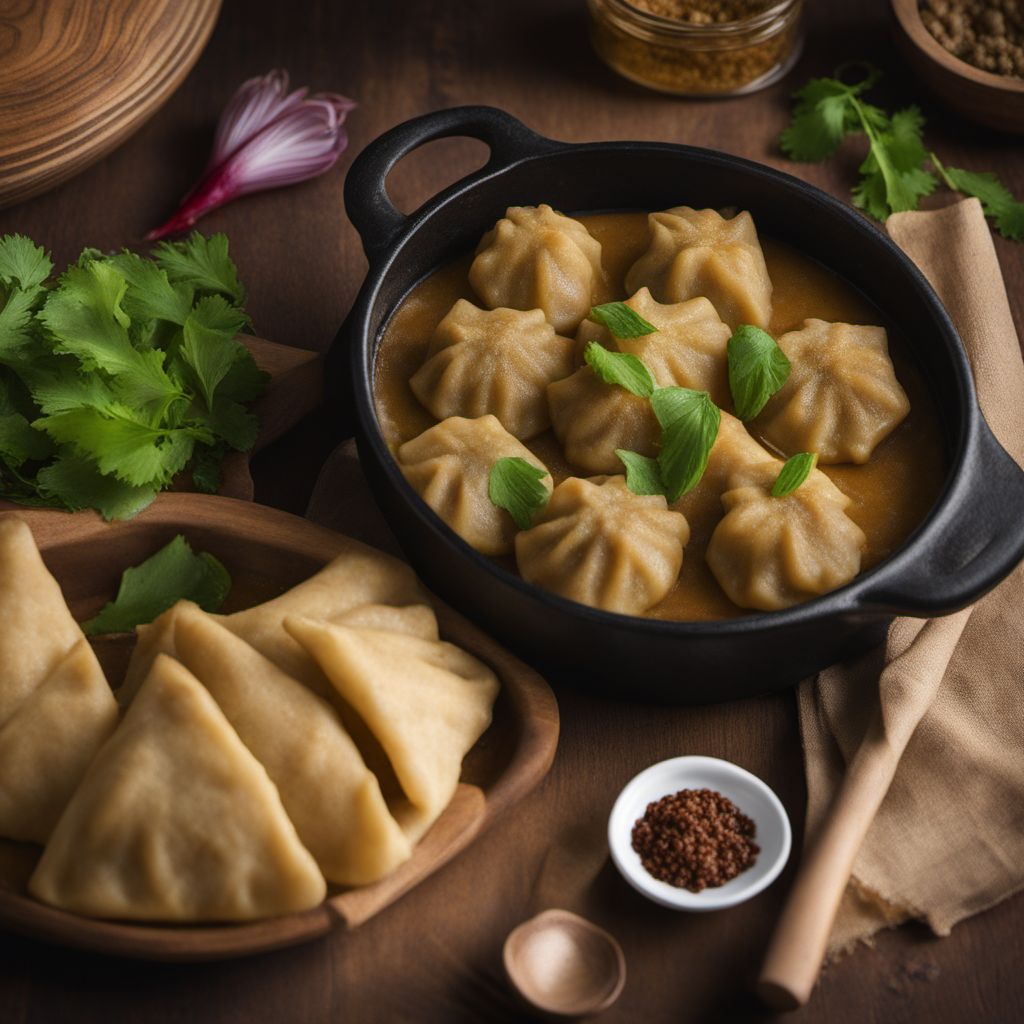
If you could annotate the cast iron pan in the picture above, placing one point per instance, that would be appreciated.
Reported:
(972, 538)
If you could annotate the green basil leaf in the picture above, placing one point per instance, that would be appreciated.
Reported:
(620, 368)
(621, 320)
(642, 473)
(796, 470)
(689, 425)
(515, 485)
(757, 369)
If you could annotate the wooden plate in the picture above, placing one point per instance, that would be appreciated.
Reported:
(267, 552)
(77, 77)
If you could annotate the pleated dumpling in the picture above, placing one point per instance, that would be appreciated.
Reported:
(600, 544)
(770, 553)
(332, 798)
(176, 821)
(449, 465)
(688, 350)
(842, 397)
(49, 742)
(426, 703)
(36, 629)
(700, 252)
(536, 258)
(357, 583)
(592, 419)
(497, 361)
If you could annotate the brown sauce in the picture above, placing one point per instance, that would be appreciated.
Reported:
(891, 493)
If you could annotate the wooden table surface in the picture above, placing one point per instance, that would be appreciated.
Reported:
(436, 955)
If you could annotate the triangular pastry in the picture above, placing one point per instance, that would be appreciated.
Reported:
(332, 798)
(47, 744)
(176, 821)
(425, 702)
(36, 628)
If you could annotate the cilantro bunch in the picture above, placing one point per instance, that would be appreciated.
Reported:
(121, 374)
(894, 175)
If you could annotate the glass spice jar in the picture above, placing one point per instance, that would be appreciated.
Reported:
(687, 58)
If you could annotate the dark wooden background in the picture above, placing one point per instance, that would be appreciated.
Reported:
(435, 955)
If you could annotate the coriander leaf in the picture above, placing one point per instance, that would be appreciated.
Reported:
(202, 263)
(515, 485)
(75, 483)
(175, 573)
(206, 467)
(757, 369)
(794, 473)
(642, 473)
(689, 425)
(56, 392)
(820, 120)
(231, 422)
(620, 368)
(245, 380)
(23, 261)
(124, 446)
(19, 443)
(621, 320)
(996, 199)
(150, 294)
(209, 347)
(16, 325)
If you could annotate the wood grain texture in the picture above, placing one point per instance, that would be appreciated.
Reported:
(436, 955)
(77, 77)
(266, 552)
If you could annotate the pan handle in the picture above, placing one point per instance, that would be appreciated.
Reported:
(367, 202)
(978, 540)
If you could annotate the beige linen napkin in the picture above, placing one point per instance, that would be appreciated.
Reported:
(948, 839)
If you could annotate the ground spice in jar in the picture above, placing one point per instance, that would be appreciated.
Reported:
(698, 47)
(695, 839)
(986, 33)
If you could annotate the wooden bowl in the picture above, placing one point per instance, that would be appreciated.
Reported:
(995, 101)
(266, 552)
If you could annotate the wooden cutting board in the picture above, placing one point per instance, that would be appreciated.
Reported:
(77, 77)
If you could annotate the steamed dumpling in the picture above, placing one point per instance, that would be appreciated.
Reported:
(842, 397)
(332, 798)
(688, 350)
(425, 703)
(356, 582)
(536, 258)
(592, 419)
(176, 821)
(495, 361)
(700, 252)
(36, 629)
(49, 742)
(599, 544)
(770, 553)
(449, 466)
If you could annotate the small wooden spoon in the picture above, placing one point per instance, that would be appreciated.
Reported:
(563, 965)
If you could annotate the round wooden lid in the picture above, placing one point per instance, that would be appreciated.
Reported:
(78, 77)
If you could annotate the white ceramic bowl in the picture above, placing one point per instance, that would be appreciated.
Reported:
(746, 791)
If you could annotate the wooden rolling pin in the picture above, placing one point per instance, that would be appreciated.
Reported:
(906, 690)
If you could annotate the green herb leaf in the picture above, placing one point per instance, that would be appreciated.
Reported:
(209, 347)
(74, 482)
(689, 425)
(22, 262)
(206, 467)
(794, 473)
(202, 263)
(150, 294)
(996, 199)
(515, 485)
(621, 320)
(19, 443)
(175, 573)
(620, 368)
(757, 369)
(643, 476)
